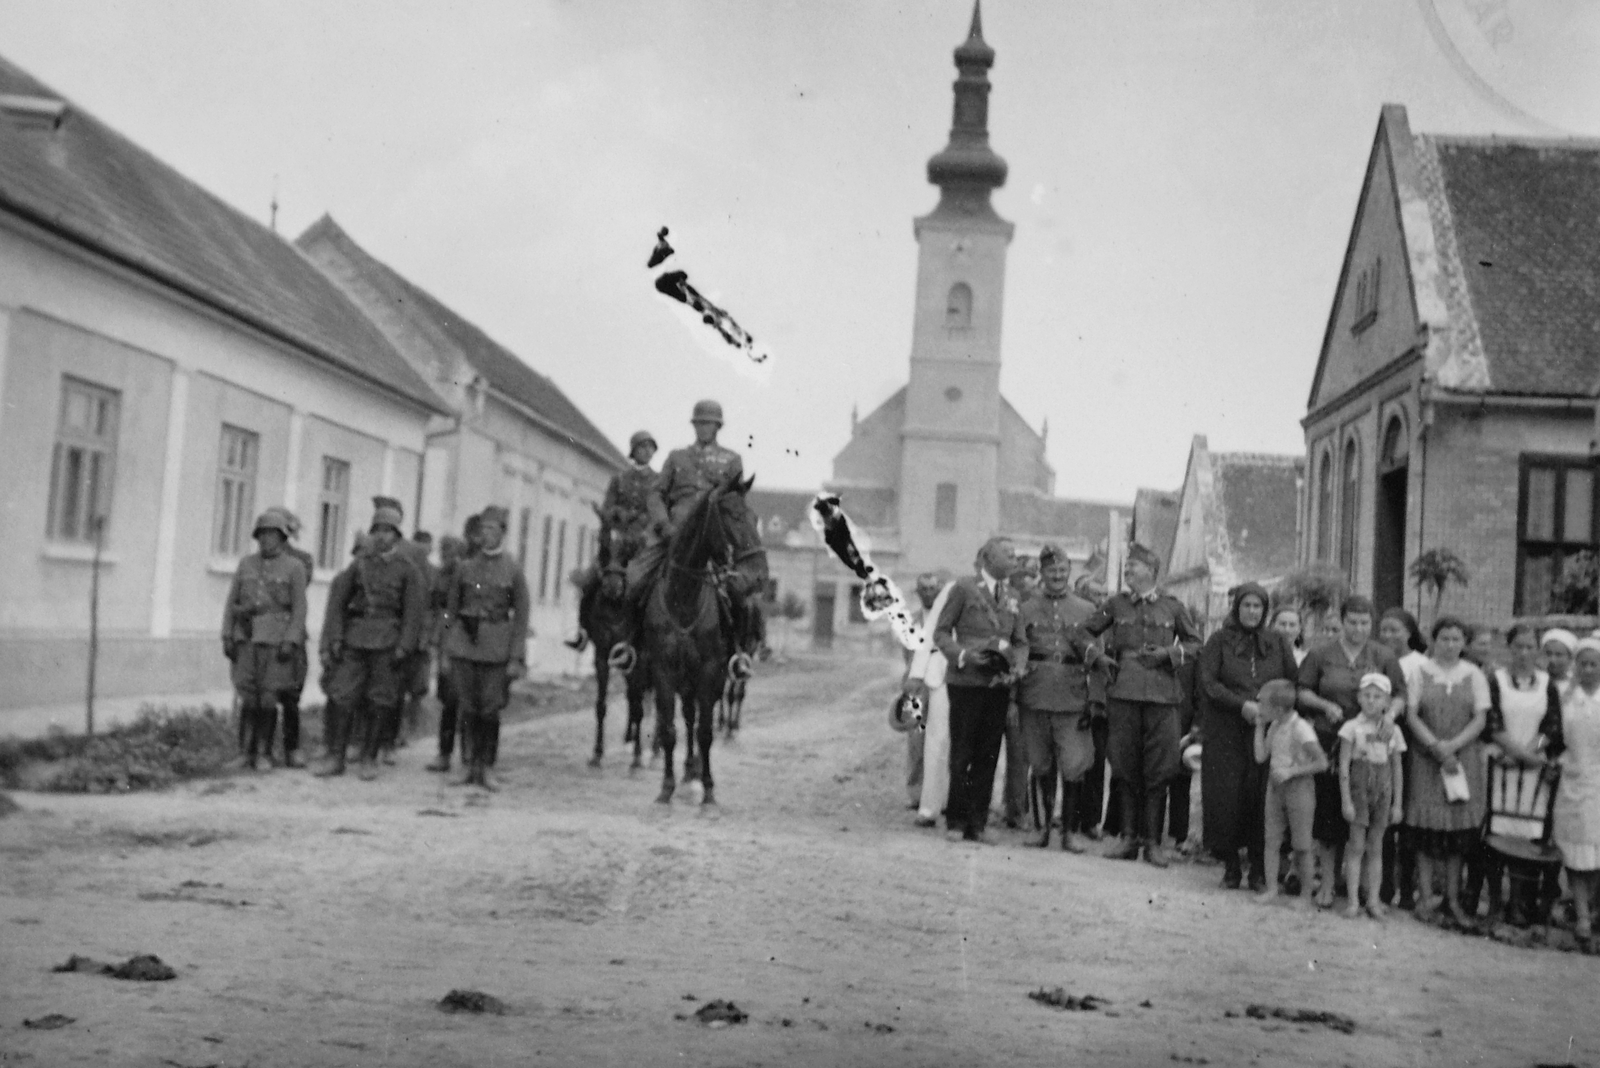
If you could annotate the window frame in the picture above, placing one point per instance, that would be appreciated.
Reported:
(1349, 539)
(232, 511)
(336, 503)
(93, 493)
(958, 315)
(547, 529)
(939, 509)
(1557, 548)
(1368, 283)
(1324, 497)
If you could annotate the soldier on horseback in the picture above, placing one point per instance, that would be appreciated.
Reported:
(624, 523)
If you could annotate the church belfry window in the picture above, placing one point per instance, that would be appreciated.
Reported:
(958, 307)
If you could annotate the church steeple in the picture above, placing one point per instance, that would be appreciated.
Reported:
(968, 168)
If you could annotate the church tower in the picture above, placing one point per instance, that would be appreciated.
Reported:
(949, 498)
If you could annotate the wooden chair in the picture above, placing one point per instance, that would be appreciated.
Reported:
(1517, 831)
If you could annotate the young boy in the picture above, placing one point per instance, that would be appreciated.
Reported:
(1289, 745)
(1370, 781)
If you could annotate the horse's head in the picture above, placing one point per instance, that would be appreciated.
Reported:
(741, 537)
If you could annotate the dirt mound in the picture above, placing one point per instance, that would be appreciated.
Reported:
(720, 1013)
(49, 1023)
(472, 1001)
(146, 967)
(1060, 999)
(1302, 1016)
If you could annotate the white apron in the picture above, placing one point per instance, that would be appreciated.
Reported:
(1577, 819)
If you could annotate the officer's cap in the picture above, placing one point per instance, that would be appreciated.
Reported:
(641, 437)
(385, 516)
(1137, 552)
(271, 519)
(495, 514)
(707, 411)
(1051, 555)
(389, 502)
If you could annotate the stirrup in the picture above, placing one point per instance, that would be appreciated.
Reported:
(740, 666)
(623, 657)
(579, 643)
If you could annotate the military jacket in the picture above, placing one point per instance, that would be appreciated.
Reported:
(267, 601)
(487, 610)
(973, 619)
(1050, 635)
(688, 473)
(378, 602)
(1136, 623)
(627, 504)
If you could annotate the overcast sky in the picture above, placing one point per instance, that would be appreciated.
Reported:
(1183, 179)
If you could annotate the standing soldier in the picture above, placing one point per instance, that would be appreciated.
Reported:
(1024, 581)
(414, 672)
(487, 646)
(688, 473)
(451, 550)
(1053, 697)
(289, 698)
(1151, 638)
(370, 633)
(625, 514)
(263, 619)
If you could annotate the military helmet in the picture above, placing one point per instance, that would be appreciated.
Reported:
(642, 437)
(386, 517)
(707, 411)
(271, 519)
(495, 514)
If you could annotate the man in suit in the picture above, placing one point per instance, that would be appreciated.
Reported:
(975, 632)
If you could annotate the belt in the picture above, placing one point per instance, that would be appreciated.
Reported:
(1055, 658)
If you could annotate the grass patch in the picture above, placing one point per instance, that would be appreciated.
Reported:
(159, 748)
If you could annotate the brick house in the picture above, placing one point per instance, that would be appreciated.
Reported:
(512, 438)
(1453, 404)
(168, 368)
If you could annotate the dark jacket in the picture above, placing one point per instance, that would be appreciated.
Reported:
(1057, 649)
(378, 602)
(267, 601)
(1157, 621)
(488, 610)
(973, 620)
(1236, 663)
(688, 473)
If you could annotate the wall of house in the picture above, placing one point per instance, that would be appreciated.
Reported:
(872, 455)
(182, 371)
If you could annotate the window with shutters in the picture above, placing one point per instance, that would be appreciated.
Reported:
(561, 558)
(1555, 522)
(544, 559)
(1366, 309)
(236, 491)
(83, 465)
(333, 508)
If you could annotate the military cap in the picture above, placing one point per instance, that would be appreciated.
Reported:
(1137, 552)
(1051, 555)
(495, 514)
(271, 519)
(385, 516)
(641, 437)
(707, 411)
(389, 502)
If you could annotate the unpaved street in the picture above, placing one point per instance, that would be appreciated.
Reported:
(318, 923)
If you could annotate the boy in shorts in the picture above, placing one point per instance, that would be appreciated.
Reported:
(1288, 744)
(1370, 781)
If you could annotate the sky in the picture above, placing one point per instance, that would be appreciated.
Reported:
(1183, 178)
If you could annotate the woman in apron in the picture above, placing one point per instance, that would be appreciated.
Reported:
(1521, 698)
(1574, 741)
(1449, 704)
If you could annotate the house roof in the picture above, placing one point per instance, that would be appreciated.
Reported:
(1155, 522)
(1256, 500)
(87, 184)
(499, 366)
(1073, 524)
(780, 512)
(1524, 220)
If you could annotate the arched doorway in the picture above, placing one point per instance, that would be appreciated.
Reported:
(1389, 534)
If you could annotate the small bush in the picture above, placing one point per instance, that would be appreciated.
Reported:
(158, 749)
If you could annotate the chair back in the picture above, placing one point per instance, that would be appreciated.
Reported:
(1520, 809)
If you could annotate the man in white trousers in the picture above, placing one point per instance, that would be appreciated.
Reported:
(925, 680)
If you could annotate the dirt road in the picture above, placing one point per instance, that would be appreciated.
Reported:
(318, 922)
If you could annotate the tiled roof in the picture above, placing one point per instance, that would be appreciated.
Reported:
(502, 368)
(93, 187)
(1524, 221)
(1258, 496)
(1074, 524)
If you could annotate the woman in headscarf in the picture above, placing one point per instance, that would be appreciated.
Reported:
(1558, 647)
(1240, 658)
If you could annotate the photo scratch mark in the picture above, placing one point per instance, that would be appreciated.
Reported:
(880, 596)
(675, 284)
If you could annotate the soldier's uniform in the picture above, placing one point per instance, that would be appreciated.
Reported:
(1053, 703)
(262, 620)
(1150, 637)
(488, 613)
(451, 552)
(289, 698)
(625, 519)
(414, 672)
(376, 608)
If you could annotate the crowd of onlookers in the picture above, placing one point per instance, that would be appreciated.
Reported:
(1453, 772)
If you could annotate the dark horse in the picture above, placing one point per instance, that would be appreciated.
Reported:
(688, 625)
(607, 624)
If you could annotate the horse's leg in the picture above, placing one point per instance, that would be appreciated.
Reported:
(636, 718)
(602, 676)
(666, 729)
(709, 689)
(736, 707)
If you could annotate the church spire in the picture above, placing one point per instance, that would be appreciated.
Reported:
(968, 168)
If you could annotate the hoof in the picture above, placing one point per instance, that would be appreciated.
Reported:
(594, 761)
(697, 791)
(709, 799)
(636, 765)
(665, 796)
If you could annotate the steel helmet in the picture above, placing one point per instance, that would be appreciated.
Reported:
(271, 519)
(643, 437)
(707, 411)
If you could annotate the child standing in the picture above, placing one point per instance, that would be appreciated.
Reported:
(1288, 744)
(1371, 779)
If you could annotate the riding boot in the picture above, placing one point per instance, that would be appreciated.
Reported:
(491, 741)
(1128, 847)
(1041, 791)
(249, 735)
(337, 729)
(266, 729)
(1070, 792)
(1232, 873)
(1155, 804)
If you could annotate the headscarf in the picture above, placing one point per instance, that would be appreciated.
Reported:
(1590, 642)
(1259, 636)
(1564, 638)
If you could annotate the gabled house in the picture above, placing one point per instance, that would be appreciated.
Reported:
(512, 437)
(169, 367)
(1453, 404)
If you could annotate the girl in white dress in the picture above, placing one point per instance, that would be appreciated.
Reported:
(1573, 741)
